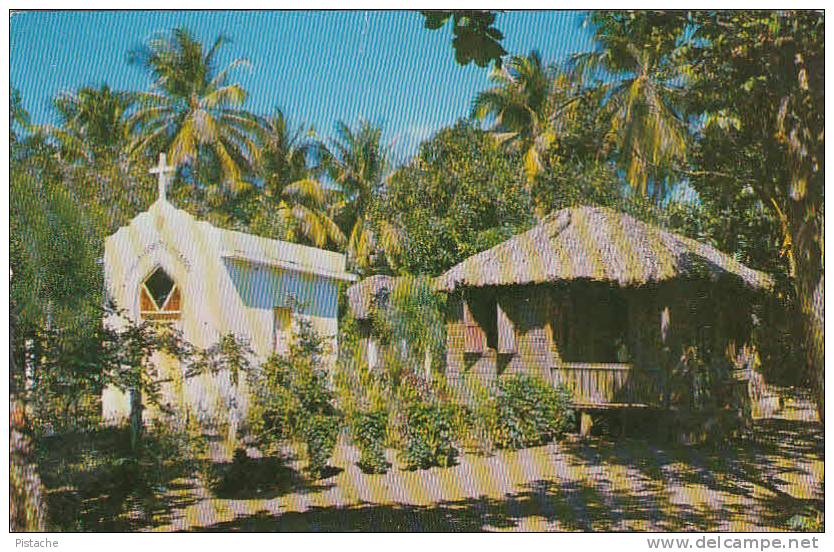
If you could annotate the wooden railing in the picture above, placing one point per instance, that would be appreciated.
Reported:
(609, 385)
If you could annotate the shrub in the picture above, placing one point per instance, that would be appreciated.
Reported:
(320, 433)
(527, 411)
(294, 402)
(369, 430)
(429, 435)
(272, 416)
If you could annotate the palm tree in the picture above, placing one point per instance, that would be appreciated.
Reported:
(87, 148)
(358, 164)
(521, 104)
(18, 116)
(293, 203)
(93, 124)
(640, 96)
(193, 110)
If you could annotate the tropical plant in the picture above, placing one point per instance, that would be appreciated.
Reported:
(521, 105)
(293, 401)
(410, 326)
(368, 429)
(128, 359)
(93, 124)
(293, 203)
(476, 39)
(230, 355)
(320, 433)
(193, 111)
(528, 411)
(641, 92)
(358, 163)
(54, 244)
(428, 431)
(18, 117)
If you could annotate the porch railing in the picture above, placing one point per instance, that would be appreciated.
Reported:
(605, 385)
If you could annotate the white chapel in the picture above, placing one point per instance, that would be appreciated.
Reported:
(167, 266)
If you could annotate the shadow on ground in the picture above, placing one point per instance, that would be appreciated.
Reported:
(246, 478)
(767, 457)
(94, 483)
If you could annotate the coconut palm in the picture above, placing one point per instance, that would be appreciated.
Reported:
(193, 110)
(93, 124)
(521, 105)
(357, 162)
(640, 91)
(18, 116)
(293, 204)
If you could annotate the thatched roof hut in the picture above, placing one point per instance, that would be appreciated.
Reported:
(598, 244)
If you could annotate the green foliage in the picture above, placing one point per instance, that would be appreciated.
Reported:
(368, 430)
(641, 97)
(320, 433)
(409, 325)
(807, 523)
(292, 204)
(194, 113)
(54, 244)
(357, 387)
(522, 105)
(527, 411)
(66, 383)
(358, 162)
(428, 435)
(229, 354)
(292, 400)
(462, 194)
(757, 79)
(476, 39)
(94, 124)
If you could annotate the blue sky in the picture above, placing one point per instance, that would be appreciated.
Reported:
(319, 67)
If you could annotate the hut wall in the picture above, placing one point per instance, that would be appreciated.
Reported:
(528, 310)
(461, 337)
(519, 340)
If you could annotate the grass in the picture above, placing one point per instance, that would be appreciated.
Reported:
(765, 480)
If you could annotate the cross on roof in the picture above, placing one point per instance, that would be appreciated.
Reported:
(162, 170)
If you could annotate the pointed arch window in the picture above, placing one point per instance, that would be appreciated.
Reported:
(159, 297)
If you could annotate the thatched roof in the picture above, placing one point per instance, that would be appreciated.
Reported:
(362, 295)
(595, 243)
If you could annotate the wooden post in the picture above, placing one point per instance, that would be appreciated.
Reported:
(585, 423)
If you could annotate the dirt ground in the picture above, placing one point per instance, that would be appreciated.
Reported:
(593, 484)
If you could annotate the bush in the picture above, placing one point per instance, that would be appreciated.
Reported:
(429, 435)
(294, 402)
(320, 433)
(369, 430)
(528, 411)
(272, 416)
